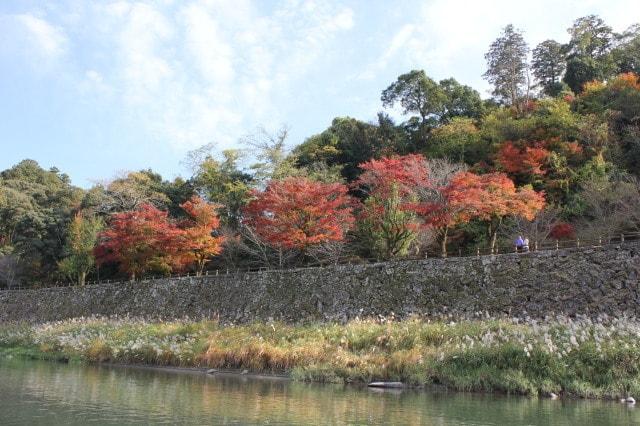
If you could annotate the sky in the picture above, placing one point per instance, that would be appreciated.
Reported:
(96, 88)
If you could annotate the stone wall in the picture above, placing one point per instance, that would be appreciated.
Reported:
(575, 281)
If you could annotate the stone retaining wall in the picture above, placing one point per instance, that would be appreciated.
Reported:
(574, 281)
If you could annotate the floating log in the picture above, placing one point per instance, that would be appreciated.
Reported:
(389, 385)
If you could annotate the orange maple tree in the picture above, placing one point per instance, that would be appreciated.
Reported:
(491, 198)
(527, 160)
(198, 244)
(296, 213)
(140, 240)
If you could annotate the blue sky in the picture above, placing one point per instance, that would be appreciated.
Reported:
(97, 88)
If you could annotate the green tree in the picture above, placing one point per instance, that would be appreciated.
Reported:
(36, 206)
(386, 229)
(459, 140)
(417, 94)
(588, 52)
(82, 236)
(548, 66)
(460, 101)
(507, 66)
(626, 54)
(349, 142)
(221, 181)
(433, 102)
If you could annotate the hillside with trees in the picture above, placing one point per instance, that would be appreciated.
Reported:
(554, 154)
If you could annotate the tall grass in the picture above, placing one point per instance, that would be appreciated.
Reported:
(578, 357)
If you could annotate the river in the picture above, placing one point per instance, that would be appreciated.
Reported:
(47, 393)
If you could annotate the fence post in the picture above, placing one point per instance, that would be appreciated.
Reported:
(535, 245)
(622, 238)
(516, 248)
(459, 252)
(478, 251)
(599, 241)
(216, 272)
(557, 244)
(577, 242)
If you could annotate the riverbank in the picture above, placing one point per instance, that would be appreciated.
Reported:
(569, 357)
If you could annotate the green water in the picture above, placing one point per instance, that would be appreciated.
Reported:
(45, 393)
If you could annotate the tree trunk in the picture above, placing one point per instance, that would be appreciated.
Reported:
(82, 278)
(443, 244)
(493, 232)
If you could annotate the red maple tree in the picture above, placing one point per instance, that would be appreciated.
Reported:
(406, 172)
(197, 243)
(563, 231)
(140, 240)
(387, 219)
(527, 160)
(296, 213)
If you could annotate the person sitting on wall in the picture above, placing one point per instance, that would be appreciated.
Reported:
(525, 245)
(519, 243)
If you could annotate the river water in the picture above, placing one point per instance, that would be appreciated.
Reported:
(46, 393)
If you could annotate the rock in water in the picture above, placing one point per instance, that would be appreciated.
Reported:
(211, 371)
(391, 385)
(630, 400)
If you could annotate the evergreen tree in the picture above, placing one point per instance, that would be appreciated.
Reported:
(507, 66)
(548, 66)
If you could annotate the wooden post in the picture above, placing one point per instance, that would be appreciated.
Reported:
(622, 238)
(478, 251)
(577, 242)
(557, 244)
(535, 245)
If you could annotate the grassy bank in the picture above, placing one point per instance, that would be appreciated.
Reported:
(572, 357)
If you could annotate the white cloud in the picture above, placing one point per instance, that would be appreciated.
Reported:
(449, 37)
(47, 39)
(207, 46)
(144, 68)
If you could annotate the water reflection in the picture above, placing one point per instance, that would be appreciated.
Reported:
(55, 394)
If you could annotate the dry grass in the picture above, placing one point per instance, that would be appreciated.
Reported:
(583, 357)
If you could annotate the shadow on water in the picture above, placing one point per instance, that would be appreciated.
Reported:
(33, 393)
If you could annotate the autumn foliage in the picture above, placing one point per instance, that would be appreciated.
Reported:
(387, 221)
(140, 240)
(198, 243)
(563, 231)
(406, 173)
(528, 160)
(492, 197)
(146, 239)
(296, 213)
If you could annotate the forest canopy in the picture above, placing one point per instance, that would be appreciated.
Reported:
(554, 154)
